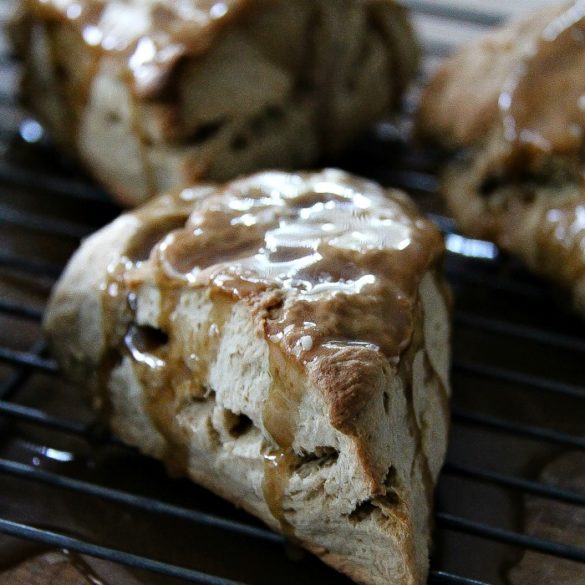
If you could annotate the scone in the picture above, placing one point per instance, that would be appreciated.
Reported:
(157, 94)
(283, 340)
(511, 109)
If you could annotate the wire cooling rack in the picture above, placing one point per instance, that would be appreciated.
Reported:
(517, 378)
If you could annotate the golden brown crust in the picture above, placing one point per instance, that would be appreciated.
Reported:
(349, 377)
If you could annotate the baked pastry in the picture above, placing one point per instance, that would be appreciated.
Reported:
(283, 340)
(154, 95)
(510, 109)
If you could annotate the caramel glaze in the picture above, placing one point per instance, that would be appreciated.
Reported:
(346, 260)
(542, 107)
(524, 144)
(166, 378)
(329, 266)
(543, 101)
(150, 37)
(405, 371)
(556, 246)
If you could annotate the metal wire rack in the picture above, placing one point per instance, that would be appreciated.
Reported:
(517, 377)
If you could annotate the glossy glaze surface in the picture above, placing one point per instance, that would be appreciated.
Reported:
(337, 260)
(151, 37)
(543, 101)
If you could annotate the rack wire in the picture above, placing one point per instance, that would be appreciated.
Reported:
(498, 306)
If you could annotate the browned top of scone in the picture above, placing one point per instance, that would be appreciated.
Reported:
(329, 264)
(524, 79)
(152, 36)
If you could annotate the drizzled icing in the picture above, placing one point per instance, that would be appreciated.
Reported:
(330, 267)
(150, 35)
(345, 259)
(542, 102)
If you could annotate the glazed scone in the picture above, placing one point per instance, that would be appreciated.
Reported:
(284, 341)
(511, 109)
(156, 94)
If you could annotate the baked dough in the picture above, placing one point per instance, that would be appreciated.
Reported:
(158, 94)
(511, 109)
(284, 341)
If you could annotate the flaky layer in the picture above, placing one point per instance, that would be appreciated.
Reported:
(335, 439)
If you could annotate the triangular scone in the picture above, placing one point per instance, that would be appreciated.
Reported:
(510, 109)
(152, 95)
(284, 340)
